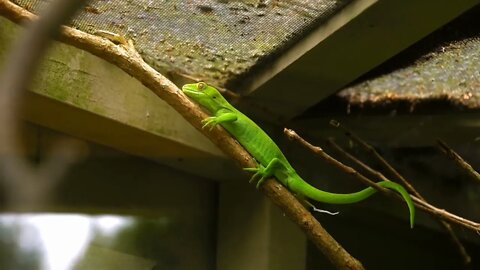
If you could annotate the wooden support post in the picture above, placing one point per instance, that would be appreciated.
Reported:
(253, 233)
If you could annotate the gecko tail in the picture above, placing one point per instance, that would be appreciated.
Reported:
(299, 186)
(406, 197)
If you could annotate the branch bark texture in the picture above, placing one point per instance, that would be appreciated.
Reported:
(125, 57)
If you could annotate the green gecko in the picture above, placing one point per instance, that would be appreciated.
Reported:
(270, 159)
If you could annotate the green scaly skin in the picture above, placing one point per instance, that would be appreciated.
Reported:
(271, 161)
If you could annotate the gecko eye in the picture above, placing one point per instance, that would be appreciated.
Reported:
(201, 86)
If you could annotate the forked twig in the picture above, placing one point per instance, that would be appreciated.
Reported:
(453, 237)
(419, 203)
(370, 149)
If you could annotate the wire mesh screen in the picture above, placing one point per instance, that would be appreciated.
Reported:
(213, 40)
(441, 69)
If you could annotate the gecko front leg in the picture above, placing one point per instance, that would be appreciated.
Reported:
(222, 116)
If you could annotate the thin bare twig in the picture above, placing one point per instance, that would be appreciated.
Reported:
(292, 135)
(419, 203)
(458, 160)
(369, 148)
(352, 158)
(29, 186)
(446, 226)
(374, 152)
(128, 60)
(444, 214)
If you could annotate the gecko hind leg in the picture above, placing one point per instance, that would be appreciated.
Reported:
(258, 171)
(264, 172)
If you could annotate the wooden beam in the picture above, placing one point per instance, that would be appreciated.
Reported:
(86, 97)
(356, 39)
(253, 233)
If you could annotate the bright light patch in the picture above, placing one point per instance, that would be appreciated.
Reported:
(110, 225)
(64, 238)
(59, 239)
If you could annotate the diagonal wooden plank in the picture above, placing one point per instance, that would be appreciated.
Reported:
(359, 37)
(84, 96)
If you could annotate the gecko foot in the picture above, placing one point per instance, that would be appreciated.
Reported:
(259, 171)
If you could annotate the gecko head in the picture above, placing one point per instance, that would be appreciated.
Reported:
(205, 95)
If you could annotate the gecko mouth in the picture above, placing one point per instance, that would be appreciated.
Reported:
(191, 91)
(188, 89)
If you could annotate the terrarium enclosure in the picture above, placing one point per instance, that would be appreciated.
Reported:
(104, 163)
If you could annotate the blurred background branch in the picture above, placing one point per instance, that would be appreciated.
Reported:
(28, 185)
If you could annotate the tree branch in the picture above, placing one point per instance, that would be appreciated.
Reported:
(125, 57)
(419, 203)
